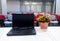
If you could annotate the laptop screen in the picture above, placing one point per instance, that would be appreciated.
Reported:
(23, 21)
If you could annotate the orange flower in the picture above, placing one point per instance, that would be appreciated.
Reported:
(43, 19)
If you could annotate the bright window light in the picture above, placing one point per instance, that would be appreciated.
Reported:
(26, 2)
(34, 3)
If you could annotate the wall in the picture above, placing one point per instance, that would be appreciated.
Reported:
(0, 8)
(58, 7)
(13, 6)
(4, 7)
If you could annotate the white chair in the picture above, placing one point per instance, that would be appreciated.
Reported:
(52, 17)
(9, 16)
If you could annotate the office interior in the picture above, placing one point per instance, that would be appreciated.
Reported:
(36, 7)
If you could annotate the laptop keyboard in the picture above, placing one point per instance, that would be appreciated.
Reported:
(22, 31)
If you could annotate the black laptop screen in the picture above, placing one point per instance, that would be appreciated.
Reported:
(22, 20)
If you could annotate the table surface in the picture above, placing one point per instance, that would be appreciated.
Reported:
(52, 34)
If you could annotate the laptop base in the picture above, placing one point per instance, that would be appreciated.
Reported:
(15, 32)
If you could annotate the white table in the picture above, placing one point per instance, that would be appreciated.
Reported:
(54, 21)
(8, 23)
(52, 34)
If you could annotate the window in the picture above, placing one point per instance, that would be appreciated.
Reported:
(48, 7)
(31, 7)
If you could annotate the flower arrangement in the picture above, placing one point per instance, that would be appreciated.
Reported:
(43, 19)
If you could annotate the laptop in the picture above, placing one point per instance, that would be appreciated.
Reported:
(22, 24)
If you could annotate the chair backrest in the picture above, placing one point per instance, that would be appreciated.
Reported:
(9, 17)
(2, 16)
(39, 15)
(35, 17)
(57, 16)
(52, 17)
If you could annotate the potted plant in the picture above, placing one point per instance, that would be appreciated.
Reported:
(43, 21)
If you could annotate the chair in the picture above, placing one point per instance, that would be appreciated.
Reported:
(9, 17)
(57, 17)
(2, 18)
(35, 22)
(39, 15)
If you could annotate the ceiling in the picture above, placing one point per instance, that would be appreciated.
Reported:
(38, 0)
(32, 0)
(12, 0)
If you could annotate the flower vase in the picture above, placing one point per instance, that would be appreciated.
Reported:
(44, 25)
